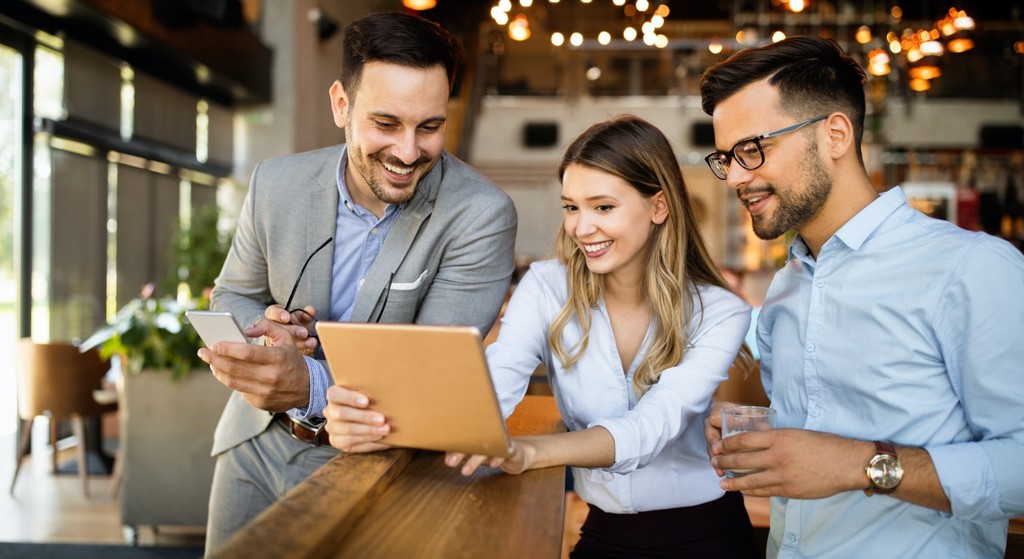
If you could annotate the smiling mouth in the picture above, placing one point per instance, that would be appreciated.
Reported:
(755, 198)
(596, 247)
(400, 170)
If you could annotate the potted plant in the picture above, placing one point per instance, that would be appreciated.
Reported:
(150, 333)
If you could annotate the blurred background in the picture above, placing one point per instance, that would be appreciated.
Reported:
(129, 128)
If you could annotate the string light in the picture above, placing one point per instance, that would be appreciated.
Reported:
(647, 16)
(921, 49)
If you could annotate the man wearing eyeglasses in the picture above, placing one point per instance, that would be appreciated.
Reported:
(891, 343)
(388, 228)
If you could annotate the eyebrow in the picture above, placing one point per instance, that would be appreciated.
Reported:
(593, 198)
(389, 116)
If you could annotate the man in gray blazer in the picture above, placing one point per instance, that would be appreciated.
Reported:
(416, 236)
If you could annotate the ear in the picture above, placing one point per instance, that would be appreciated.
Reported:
(339, 103)
(659, 208)
(840, 135)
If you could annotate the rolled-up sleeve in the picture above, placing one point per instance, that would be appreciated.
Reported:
(980, 326)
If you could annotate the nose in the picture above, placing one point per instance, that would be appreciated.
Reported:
(582, 225)
(737, 175)
(406, 148)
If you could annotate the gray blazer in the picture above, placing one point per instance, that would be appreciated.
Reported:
(451, 251)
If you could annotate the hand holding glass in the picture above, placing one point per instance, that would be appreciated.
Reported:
(740, 419)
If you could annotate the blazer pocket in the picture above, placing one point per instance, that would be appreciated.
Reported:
(410, 286)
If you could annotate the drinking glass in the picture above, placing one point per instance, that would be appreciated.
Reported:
(740, 419)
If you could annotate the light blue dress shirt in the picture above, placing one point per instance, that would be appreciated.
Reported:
(358, 238)
(661, 458)
(907, 329)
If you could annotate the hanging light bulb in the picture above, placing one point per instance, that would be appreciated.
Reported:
(878, 62)
(629, 33)
(576, 39)
(604, 38)
(519, 28)
(557, 39)
(419, 5)
(863, 35)
(920, 84)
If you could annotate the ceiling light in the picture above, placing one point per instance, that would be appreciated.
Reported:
(519, 28)
(419, 5)
(920, 85)
(863, 35)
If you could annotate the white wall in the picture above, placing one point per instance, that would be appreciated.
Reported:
(952, 123)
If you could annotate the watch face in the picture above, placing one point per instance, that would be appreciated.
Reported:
(886, 471)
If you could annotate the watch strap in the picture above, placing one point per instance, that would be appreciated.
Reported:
(882, 448)
(885, 447)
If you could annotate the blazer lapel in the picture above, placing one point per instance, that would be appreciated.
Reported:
(322, 223)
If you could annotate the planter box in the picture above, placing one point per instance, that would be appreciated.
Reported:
(166, 436)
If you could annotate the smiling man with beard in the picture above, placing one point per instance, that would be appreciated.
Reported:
(890, 342)
(415, 236)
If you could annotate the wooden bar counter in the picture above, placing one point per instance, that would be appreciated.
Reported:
(406, 503)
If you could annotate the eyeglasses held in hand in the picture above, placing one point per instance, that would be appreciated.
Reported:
(288, 304)
(749, 153)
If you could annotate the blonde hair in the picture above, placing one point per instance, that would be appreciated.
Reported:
(677, 259)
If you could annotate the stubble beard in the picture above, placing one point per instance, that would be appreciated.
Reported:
(796, 208)
(365, 167)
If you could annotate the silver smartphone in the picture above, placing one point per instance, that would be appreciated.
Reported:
(216, 326)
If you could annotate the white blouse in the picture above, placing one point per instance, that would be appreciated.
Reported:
(661, 456)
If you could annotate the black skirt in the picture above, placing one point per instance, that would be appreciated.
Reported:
(718, 529)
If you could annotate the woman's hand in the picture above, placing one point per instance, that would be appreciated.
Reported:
(518, 462)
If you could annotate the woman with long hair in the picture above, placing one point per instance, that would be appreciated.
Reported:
(636, 328)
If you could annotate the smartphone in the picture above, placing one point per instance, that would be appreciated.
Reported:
(216, 326)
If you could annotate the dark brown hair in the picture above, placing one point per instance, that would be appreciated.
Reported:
(397, 38)
(813, 75)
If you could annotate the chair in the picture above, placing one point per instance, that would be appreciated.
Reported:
(57, 380)
(743, 386)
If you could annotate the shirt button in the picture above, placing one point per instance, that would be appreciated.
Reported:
(810, 347)
(373, 231)
(789, 538)
(820, 283)
(815, 411)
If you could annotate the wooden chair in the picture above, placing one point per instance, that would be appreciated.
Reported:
(57, 380)
(742, 386)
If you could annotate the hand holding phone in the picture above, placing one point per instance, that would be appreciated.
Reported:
(216, 326)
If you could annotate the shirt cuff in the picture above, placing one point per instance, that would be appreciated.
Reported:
(966, 475)
(318, 383)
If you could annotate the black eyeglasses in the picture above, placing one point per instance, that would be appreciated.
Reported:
(748, 153)
(288, 304)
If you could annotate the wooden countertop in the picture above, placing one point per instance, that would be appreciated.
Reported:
(407, 503)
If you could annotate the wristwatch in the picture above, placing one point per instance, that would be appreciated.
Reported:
(884, 470)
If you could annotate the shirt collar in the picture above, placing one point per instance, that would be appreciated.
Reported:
(856, 231)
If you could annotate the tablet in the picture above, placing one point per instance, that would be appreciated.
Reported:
(430, 382)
